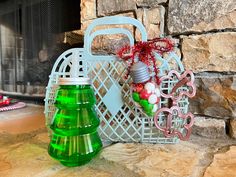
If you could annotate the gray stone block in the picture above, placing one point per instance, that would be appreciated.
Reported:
(108, 7)
(210, 128)
(201, 15)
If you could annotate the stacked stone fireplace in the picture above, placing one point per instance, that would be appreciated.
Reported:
(205, 32)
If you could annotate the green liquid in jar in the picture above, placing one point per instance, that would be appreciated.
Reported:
(75, 140)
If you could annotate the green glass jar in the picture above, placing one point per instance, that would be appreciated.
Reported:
(75, 140)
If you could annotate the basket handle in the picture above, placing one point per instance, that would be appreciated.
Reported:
(88, 54)
(114, 20)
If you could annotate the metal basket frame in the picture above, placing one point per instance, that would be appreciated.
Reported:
(121, 120)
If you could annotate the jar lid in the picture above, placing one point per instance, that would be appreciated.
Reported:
(139, 66)
(139, 72)
(74, 81)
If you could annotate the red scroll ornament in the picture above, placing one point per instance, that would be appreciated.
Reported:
(168, 129)
(187, 80)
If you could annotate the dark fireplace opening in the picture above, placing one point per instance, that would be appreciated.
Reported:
(32, 36)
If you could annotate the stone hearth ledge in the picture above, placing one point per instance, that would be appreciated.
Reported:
(30, 158)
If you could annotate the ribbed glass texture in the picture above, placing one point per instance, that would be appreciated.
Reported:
(75, 140)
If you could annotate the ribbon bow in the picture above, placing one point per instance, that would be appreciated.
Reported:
(144, 51)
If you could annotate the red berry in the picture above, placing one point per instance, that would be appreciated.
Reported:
(144, 94)
(138, 87)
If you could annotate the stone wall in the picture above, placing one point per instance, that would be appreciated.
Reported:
(206, 30)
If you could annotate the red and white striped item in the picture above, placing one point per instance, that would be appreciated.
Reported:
(17, 105)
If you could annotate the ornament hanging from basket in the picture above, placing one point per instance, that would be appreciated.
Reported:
(144, 91)
(144, 72)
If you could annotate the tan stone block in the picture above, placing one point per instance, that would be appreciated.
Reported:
(150, 160)
(83, 172)
(232, 128)
(215, 96)
(28, 159)
(74, 37)
(210, 52)
(42, 137)
(24, 160)
(224, 164)
(153, 21)
(88, 10)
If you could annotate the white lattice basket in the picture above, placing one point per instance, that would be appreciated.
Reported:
(121, 120)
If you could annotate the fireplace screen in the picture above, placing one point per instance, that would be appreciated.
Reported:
(31, 38)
